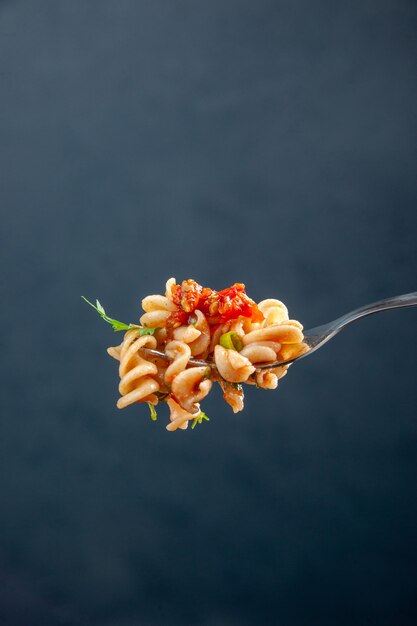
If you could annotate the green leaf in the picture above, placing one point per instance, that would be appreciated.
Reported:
(199, 419)
(146, 331)
(115, 324)
(100, 308)
(154, 415)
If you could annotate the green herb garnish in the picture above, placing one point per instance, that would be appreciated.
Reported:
(231, 341)
(199, 419)
(154, 415)
(116, 325)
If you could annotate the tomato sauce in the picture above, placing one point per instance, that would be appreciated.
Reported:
(218, 306)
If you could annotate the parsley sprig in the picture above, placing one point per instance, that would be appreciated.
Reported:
(115, 324)
(199, 419)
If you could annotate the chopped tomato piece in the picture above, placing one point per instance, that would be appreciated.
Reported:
(234, 302)
(219, 306)
(177, 318)
(187, 295)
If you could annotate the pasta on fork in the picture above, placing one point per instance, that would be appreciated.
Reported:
(194, 322)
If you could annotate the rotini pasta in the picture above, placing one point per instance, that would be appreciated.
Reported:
(225, 328)
(137, 375)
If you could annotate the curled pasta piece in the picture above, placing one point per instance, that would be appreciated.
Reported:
(137, 382)
(292, 350)
(190, 387)
(155, 319)
(178, 416)
(274, 311)
(157, 310)
(168, 287)
(155, 303)
(295, 323)
(115, 351)
(281, 333)
(199, 347)
(280, 371)
(258, 352)
(180, 354)
(266, 379)
(187, 334)
(233, 396)
(232, 366)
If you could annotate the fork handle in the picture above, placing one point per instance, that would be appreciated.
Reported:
(397, 302)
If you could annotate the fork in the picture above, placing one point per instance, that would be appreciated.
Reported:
(316, 337)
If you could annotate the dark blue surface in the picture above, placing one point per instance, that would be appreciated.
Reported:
(267, 142)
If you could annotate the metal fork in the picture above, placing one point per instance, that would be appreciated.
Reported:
(316, 337)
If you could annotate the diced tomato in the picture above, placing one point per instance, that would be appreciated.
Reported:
(187, 295)
(177, 318)
(218, 306)
(234, 302)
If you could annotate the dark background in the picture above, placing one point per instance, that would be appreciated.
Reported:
(267, 142)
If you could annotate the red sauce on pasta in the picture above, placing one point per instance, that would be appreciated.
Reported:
(218, 306)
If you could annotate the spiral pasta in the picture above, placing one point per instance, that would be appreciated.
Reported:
(157, 311)
(226, 328)
(179, 353)
(137, 375)
(178, 416)
(190, 386)
(231, 365)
